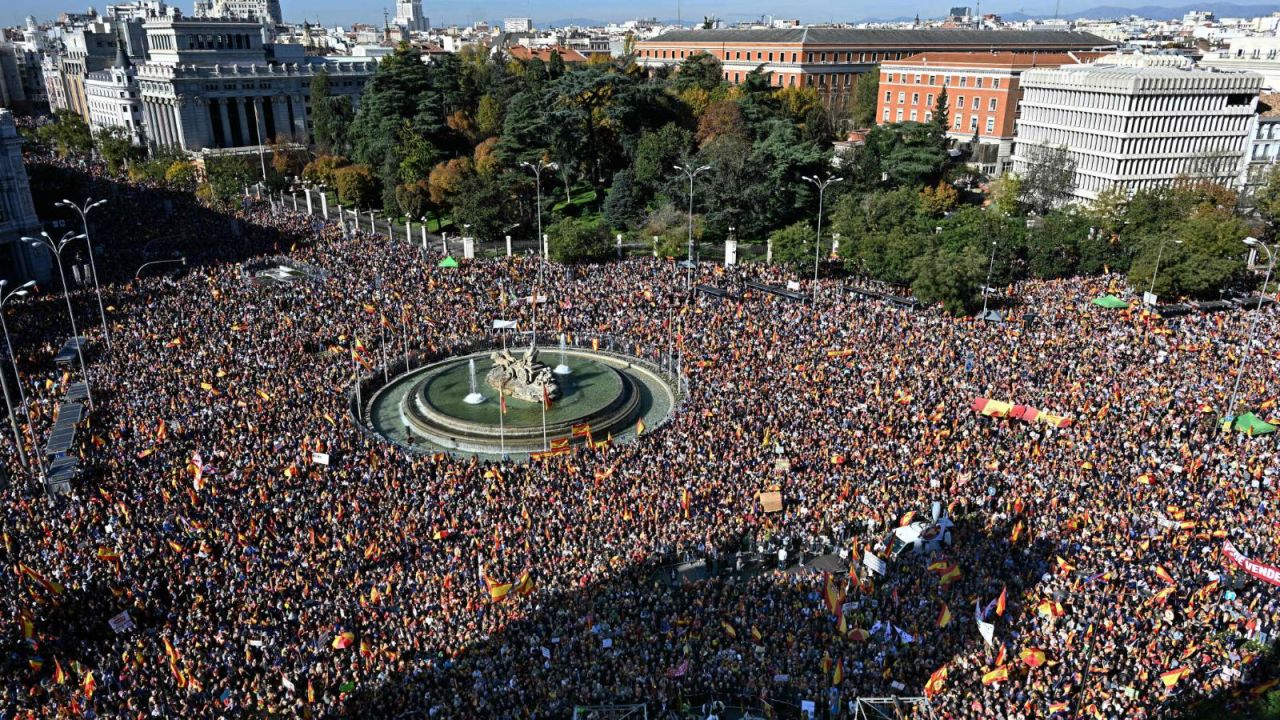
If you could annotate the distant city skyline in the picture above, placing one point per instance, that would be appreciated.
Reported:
(343, 12)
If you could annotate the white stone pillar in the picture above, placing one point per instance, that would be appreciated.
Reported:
(508, 246)
(324, 205)
(469, 248)
(308, 192)
(444, 243)
(228, 140)
(730, 253)
(768, 251)
(408, 232)
(244, 121)
(424, 236)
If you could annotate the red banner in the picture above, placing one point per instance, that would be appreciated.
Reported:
(1265, 573)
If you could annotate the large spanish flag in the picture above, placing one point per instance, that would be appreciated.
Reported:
(1171, 677)
(1000, 674)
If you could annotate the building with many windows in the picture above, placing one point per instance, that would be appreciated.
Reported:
(983, 92)
(409, 16)
(830, 59)
(1137, 121)
(112, 94)
(216, 84)
(1264, 144)
(263, 11)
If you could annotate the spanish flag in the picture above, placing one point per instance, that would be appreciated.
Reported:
(497, 591)
(837, 677)
(1002, 601)
(1171, 677)
(59, 675)
(1164, 575)
(1059, 707)
(951, 576)
(88, 685)
(684, 502)
(1034, 657)
(559, 443)
(1000, 674)
(46, 583)
(944, 617)
(581, 430)
(1050, 608)
(934, 685)
(639, 427)
(524, 584)
(756, 634)
(729, 629)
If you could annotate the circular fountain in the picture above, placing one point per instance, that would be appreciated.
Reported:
(500, 403)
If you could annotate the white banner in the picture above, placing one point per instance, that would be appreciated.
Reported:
(1265, 573)
(121, 623)
(988, 632)
(873, 563)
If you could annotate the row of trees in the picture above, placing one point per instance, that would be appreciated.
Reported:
(453, 138)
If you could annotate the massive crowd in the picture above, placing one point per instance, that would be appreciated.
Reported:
(262, 583)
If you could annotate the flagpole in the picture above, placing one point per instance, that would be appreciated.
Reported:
(382, 330)
(502, 422)
(355, 376)
(404, 336)
(545, 446)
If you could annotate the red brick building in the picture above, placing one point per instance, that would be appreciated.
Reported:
(830, 59)
(983, 93)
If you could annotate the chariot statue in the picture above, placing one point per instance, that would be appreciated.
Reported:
(523, 378)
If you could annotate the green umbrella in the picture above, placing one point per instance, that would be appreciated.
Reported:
(1111, 302)
(449, 262)
(1253, 425)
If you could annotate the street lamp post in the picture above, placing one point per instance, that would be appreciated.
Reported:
(4, 384)
(817, 249)
(93, 264)
(1253, 324)
(691, 173)
(986, 286)
(56, 248)
(537, 181)
(1154, 272)
(182, 260)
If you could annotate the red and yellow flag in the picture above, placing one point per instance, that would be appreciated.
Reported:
(944, 617)
(1171, 677)
(1000, 674)
(1002, 601)
(1034, 657)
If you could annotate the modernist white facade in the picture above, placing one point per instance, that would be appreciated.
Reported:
(1138, 121)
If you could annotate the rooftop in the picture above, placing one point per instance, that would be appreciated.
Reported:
(898, 38)
(569, 55)
(1001, 60)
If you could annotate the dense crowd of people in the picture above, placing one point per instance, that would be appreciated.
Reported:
(259, 582)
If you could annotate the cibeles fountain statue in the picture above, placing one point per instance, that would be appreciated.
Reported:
(523, 378)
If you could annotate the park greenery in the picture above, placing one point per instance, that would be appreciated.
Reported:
(456, 139)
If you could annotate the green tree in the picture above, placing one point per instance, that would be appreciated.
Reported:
(701, 70)
(181, 175)
(1210, 256)
(866, 96)
(937, 200)
(657, 151)
(357, 185)
(908, 153)
(485, 202)
(323, 169)
(793, 245)
(489, 116)
(226, 177)
(941, 120)
(622, 207)
(951, 276)
(1053, 245)
(1049, 180)
(68, 134)
(330, 116)
(882, 233)
(116, 148)
(398, 91)
(573, 241)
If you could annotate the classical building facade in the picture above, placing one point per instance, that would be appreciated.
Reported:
(1264, 145)
(831, 59)
(1137, 121)
(19, 262)
(113, 98)
(264, 11)
(215, 84)
(983, 92)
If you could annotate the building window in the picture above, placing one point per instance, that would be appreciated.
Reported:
(957, 123)
(963, 80)
(977, 103)
(973, 122)
(960, 103)
(899, 114)
(933, 79)
(913, 116)
(995, 83)
(886, 114)
(928, 117)
(991, 125)
(888, 97)
(902, 97)
(977, 82)
(890, 77)
(929, 100)
(770, 57)
(946, 80)
(915, 98)
(992, 104)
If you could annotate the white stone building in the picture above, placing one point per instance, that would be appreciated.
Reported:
(409, 16)
(112, 94)
(215, 84)
(1257, 54)
(1138, 121)
(517, 25)
(1264, 145)
(19, 262)
(265, 11)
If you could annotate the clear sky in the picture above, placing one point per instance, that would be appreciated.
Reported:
(446, 12)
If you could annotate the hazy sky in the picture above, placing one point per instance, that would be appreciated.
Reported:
(345, 12)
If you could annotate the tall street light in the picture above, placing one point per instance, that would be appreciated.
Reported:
(93, 264)
(986, 286)
(691, 173)
(817, 249)
(55, 247)
(1252, 242)
(537, 180)
(4, 384)
(1159, 252)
